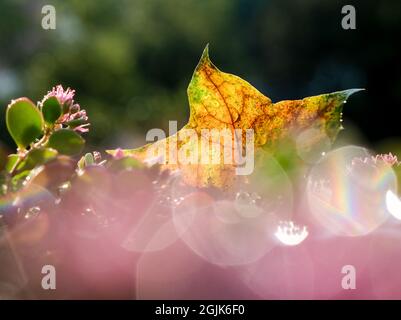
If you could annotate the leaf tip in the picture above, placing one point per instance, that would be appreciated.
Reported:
(205, 53)
(347, 93)
(204, 60)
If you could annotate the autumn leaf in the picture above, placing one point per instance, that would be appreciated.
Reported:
(222, 102)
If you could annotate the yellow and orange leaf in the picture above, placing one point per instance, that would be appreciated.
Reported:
(221, 101)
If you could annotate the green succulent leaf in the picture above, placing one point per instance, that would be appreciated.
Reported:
(66, 141)
(75, 123)
(18, 180)
(86, 160)
(24, 122)
(51, 110)
(11, 162)
(89, 159)
(37, 157)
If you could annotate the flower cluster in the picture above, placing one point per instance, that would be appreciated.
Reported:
(388, 159)
(72, 117)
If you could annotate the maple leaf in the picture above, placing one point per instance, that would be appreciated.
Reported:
(222, 102)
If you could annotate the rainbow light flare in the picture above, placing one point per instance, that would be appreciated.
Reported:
(347, 197)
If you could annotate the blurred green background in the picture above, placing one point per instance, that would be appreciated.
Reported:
(131, 61)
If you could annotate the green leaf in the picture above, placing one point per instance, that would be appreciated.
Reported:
(51, 110)
(66, 142)
(3, 184)
(37, 157)
(85, 161)
(81, 163)
(11, 162)
(18, 180)
(75, 123)
(89, 160)
(24, 122)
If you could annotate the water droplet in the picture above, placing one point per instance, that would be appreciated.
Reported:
(290, 234)
(32, 212)
(88, 212)
(242, 198)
